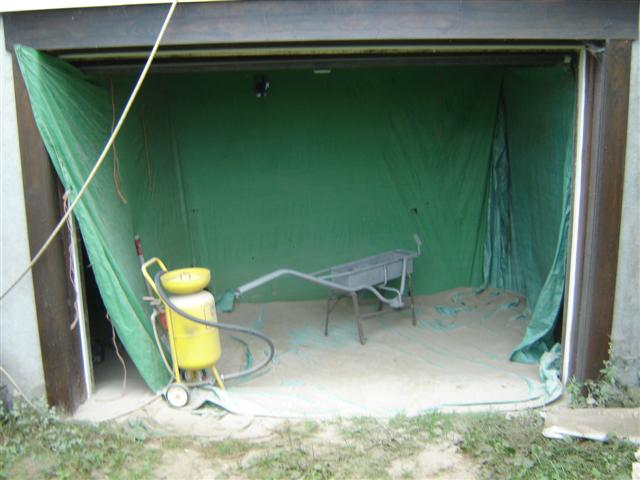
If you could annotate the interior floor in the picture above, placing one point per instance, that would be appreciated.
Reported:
(112, 397)
(455, 358)
(456, 355)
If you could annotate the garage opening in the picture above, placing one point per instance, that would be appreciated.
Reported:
(246, 172)
(113, 379)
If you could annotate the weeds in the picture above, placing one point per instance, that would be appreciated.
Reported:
(607, 391)
(503, 447)
(364, 447)
(514, 448)
(39, 444)
(176, 443)
(231, 448)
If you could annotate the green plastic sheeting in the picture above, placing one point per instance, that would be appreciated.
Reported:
(74, 116)
(530, 194)
(325, 169)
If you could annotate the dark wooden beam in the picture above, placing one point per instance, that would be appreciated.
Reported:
(322, 21)
(324, 62)
(53, 295)
(605, 162)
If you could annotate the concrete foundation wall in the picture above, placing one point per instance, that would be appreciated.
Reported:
(19, 340)
(625, 335)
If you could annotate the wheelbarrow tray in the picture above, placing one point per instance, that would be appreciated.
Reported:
(374, 270)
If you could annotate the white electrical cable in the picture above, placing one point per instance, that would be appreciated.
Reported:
(103, 155)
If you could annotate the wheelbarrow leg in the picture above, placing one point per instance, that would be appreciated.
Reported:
(326, 320)
(356, 312)
(413, 303)
(332, 301)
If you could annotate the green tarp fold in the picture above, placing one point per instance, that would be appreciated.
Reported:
(324, 169)
(530, 197)
(74, 115)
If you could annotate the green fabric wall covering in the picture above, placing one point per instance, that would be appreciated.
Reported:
(74, 116)
(328, 169)
(539, 137)
(325, 169)
(530, 195)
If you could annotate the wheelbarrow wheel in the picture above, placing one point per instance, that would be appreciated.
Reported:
(177, 395)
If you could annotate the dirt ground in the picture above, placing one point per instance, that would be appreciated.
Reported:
(442, 462)
(431, 446)
(38, 443)
(193, 459)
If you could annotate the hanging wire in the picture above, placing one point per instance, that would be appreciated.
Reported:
(17, 387)
(116, 160)
(72, 268)
(119, 355)
(102, 157)
(146, 149)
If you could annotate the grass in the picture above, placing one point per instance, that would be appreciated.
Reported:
(503, 447)
(513, 447)
(231, 448)
(360, 448)
(39, 444)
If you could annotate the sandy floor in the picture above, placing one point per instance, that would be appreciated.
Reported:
(456, 358)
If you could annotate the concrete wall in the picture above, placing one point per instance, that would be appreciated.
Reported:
(625, 335)
(19, 340)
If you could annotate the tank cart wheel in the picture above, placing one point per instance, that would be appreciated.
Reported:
(177, 395)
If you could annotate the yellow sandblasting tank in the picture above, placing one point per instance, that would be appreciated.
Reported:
(194, 347)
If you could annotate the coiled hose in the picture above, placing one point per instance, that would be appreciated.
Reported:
(221, 326)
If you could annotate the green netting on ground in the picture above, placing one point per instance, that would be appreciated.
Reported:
(325, 169)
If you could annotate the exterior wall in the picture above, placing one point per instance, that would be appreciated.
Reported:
(19, 340)
(625, 334)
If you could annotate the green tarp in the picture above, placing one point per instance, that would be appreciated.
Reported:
(325, 169)
(531, 197)
(74, 116)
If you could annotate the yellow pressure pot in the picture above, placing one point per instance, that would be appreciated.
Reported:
(194, 346)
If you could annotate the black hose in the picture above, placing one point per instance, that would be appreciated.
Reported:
(221, 326)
